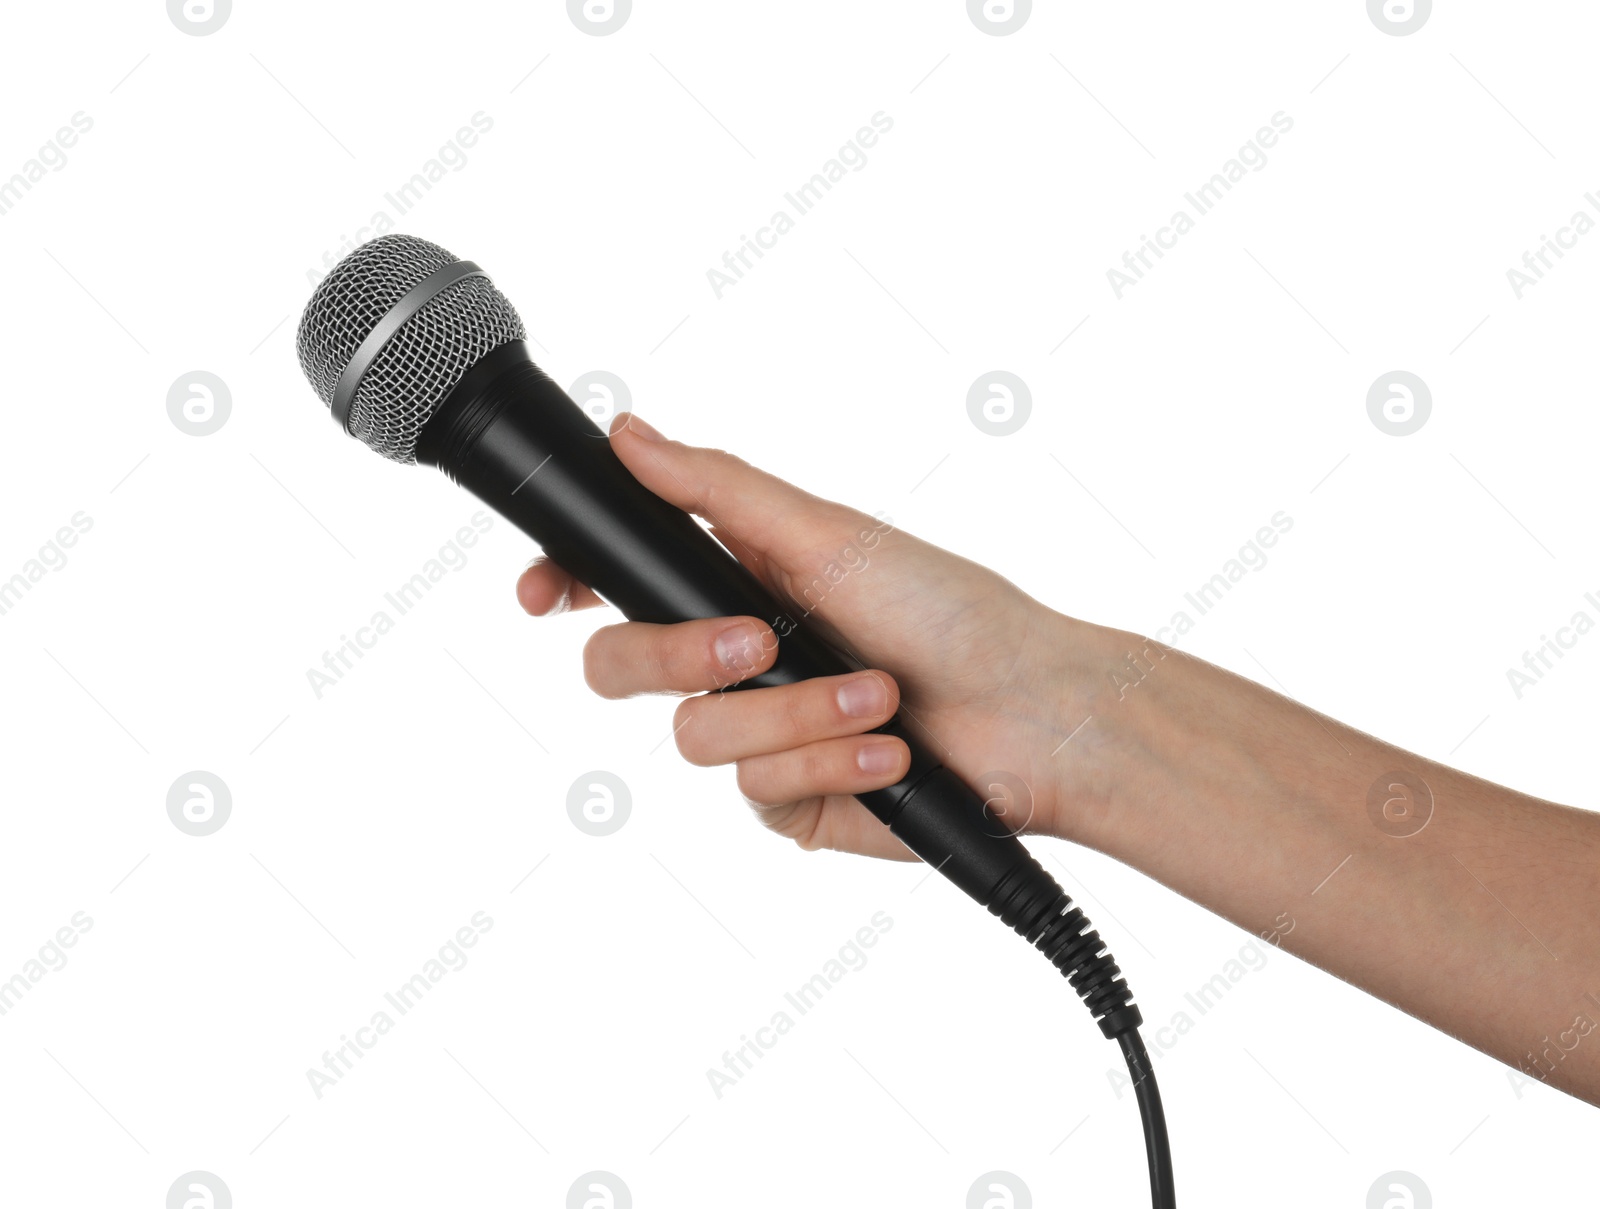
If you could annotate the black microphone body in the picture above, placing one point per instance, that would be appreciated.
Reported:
(419, 355)
(514, 438)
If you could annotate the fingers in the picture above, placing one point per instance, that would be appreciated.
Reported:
(544, 589)
(724, 727)
(691, 657)
(761, 518)
(839, 823)
(803, 750)
(753, 513)
(834, 766)
(750, 506)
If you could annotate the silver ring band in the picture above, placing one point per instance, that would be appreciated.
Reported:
(344, 393)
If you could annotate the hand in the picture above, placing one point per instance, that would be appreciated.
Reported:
(1223, 790)
(976, 664)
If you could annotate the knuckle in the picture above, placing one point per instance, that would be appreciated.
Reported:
(658, 661)
(717, 468)
(751, 783)
(812, 833)
(825, 524)
(691, 737)
(595, 663)
(803, 821)
(815, 769)
(721, 462)
(798, 711)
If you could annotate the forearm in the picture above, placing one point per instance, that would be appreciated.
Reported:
(1471, 906)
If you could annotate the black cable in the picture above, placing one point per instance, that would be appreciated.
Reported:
(1156, 1149)
(1033, 904)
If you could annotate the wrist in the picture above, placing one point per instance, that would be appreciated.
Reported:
(1095, 760)
(1157, 738)
(1199, 767)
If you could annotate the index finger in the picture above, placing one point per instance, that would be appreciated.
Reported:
(545, 589)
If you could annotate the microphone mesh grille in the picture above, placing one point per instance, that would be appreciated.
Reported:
(423, 361)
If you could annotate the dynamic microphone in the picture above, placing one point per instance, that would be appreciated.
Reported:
(418, 355)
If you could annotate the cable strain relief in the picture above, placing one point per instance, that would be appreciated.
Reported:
(1035, 906)
(1123, 1020)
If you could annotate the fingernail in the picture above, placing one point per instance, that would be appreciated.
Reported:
(738, 647)
(878, 759)
(635, 424)
(863, 697)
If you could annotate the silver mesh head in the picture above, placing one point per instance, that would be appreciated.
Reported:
(426, 357)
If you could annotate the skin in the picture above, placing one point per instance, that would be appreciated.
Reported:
(1481, 923)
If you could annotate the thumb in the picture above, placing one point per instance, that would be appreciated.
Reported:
(754, 509)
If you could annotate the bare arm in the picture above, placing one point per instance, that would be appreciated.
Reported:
(1468, 905)
(1471, 906)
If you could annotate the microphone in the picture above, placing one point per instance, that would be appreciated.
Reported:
(418, 355)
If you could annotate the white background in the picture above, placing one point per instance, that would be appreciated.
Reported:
(369, 824)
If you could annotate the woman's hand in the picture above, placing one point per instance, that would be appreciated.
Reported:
(977, 665)
(1480, 922)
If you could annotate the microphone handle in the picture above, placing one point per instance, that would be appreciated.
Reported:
(514, 438)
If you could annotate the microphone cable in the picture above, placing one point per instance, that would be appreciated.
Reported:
(417, 353)
(1156, 1149)
(1043, 913)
